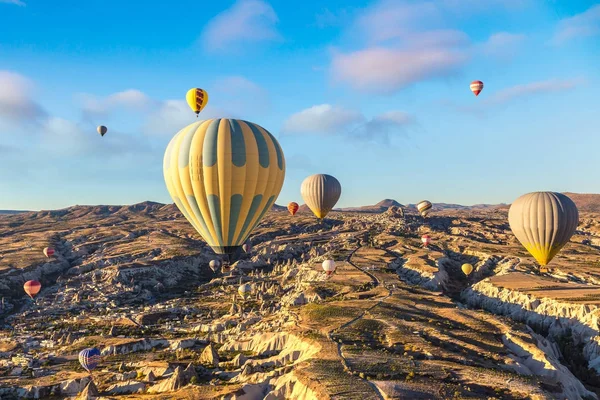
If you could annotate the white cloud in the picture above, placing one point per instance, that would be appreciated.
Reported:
(581, 25)
(246, 21)
(325, 119)
(15, 2)
(503, 44)
(322, 119)
(519, 91)
(243, 95)
(16, 99)
(130, 99)
(406, 42)
(384, 70)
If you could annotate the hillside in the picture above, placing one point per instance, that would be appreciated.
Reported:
(585, 202)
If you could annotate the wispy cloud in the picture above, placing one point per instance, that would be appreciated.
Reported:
(15, 2)
(503, 44)
(585, 24)
(130, 99)
(299, 162)
(326, 119)
(404, 45)
(322, 119)
(525, 90)
(16, 99)
(511, 94)
(385, 71)
(247, 21)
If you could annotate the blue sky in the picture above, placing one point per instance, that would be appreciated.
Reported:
(375, 93)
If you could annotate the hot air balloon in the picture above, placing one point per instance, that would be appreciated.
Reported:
(101, 130)
(247, 247)
(543, 222)
(224, 175)
(245, 290)
(32, 288)
(328, 266)
(320, 192)
(426, 239)
(424, 207)
(467, 269)
(89, 358)
(476, 87)
(214, 265)
(197, 99)
(48, 251)
(293, 208)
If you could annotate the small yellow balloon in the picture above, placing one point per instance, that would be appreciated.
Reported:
(197, 99)
(467, 269)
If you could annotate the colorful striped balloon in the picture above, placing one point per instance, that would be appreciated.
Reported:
(89, 358)
(32, 288)
(476, 87)
(224, 175)
(424, 207)
(48, 251)
(293, 207)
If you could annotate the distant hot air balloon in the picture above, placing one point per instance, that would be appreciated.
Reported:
(293, 208)
(245, 290)
(328, 266)
(102, 130)
(543, 222)
(320, 193)
(48, 251)
(476, 87)
(467, 269)
(214, 265)
(32, 288)
(424, 207)
(89, 358)
(197, 99)
(224, 175)
(247, 247)
(426, 239)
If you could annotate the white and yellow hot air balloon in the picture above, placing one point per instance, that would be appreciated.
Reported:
(320, 193)
(245, 291)
(543, 222)
(224, 175)
(197, 99)
(424, 207)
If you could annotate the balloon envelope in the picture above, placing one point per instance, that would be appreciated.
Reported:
(424, 207)
(214, 265)
(247, 247)
(328, 266)
(426, 239)
(293, 208)
(467, 269)
(48, 251)
(197, 99)
(543, 222)
(245, 290)
(32, 288)
(320, 193)
(224, 175)
(476, 87)
(102, 130)
(89, 358)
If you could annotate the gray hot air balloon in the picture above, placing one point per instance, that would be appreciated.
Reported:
(214, 265)
(320, 192)
(543, 222)
(102, 130)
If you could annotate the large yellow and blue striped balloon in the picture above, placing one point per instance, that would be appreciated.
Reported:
(224, 175)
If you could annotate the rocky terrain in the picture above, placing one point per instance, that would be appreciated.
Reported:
(395, 320)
